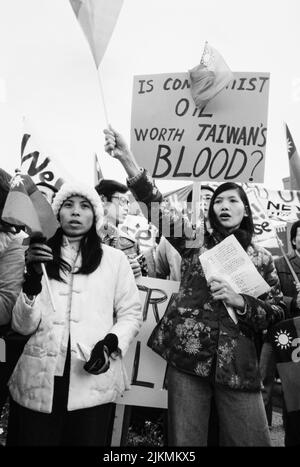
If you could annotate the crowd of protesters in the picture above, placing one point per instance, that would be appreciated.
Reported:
(64, 368)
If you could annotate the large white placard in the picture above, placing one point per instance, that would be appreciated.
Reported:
(224, 141)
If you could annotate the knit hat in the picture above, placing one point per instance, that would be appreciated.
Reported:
(72, 189)
(5, 180)
(210, 77)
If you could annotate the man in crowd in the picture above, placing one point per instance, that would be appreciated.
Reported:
(116, 202)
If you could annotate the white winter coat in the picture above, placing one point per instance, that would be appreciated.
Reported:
(11, 273)
(104, 301)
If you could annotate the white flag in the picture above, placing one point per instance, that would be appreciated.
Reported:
(97, 19)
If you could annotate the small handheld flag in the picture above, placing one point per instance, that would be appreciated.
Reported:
(209, 77)
(98, 175)
(26, 206)
(294, 161)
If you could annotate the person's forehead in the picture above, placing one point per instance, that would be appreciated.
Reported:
(229, 193)
(206, 192)
(121, 195)
(298, 231)
(78, 198)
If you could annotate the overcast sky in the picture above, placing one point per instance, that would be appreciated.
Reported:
(47, 72)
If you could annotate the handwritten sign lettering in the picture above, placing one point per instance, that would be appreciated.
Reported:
(223, 141)
(147, 370)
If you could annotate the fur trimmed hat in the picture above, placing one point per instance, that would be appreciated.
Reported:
(72, 189)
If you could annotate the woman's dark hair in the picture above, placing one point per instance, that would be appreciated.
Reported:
(91, 252)
(293, 233)
(245, 232)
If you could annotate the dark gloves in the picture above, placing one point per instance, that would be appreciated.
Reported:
(33, 257)
(99, 359)
(32, 284)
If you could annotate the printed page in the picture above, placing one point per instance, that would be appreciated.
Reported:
(230, 261)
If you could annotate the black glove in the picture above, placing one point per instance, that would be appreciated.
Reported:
(32, 283)
(99, 359)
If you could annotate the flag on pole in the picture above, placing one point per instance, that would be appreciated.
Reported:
(285, 339)
(97, 19)
(294, 161)
(209, 77)
(98, 175)
(26, 206)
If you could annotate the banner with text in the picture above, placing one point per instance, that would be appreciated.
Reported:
(147, 370)
(223, 141)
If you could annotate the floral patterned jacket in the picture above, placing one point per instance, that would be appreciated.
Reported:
(196, 334)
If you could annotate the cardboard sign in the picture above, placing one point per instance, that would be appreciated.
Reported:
(223, 141)
(280, 204)
(145, 369)
(40, 167)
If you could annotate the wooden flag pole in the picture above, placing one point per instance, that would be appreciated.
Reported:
(102, 97)
(196, 202)
(198, 212)
(287, 260)
(48, 286)
(104, 103)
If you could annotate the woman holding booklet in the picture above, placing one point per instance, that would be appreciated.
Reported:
(208, 352)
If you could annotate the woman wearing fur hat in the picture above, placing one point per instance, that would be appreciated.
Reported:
(11, 278)
(57, 398)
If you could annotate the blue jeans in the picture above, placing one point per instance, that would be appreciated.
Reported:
(242, 417)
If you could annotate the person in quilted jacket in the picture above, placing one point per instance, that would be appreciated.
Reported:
(72, 370)
(11, 277)
(209, 352)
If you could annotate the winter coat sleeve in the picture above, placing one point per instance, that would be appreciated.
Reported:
(261, 313)
(287, 285)
(127, 306)
(26, 316)
(11, 277)
(161, 260)
(171, 223)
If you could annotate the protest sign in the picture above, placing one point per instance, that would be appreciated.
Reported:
(223, 141)
(146, 370)
(41, 167)
(282, 204)
(279, 204)
(263, 229)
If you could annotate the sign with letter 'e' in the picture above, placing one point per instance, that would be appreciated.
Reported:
(223, 141)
